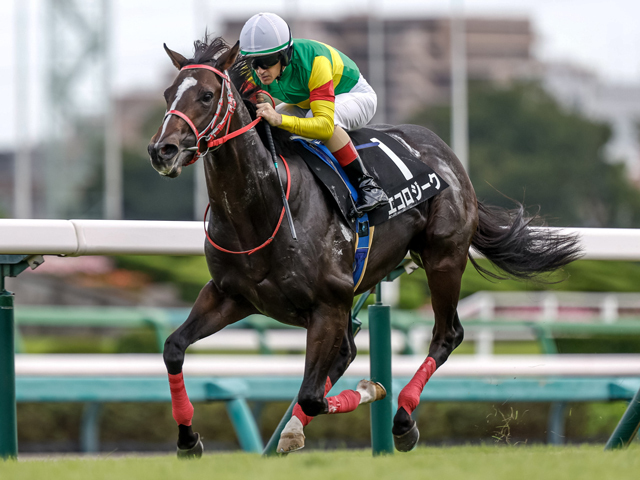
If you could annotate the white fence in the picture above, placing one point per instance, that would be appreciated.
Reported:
(549, 306)
(293, 365)
(111, 237)
(128, 237)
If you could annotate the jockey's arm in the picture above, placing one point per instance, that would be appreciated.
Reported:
(322, 101)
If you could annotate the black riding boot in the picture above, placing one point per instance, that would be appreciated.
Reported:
(370, 195)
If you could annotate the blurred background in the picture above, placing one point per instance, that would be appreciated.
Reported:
(539, 98)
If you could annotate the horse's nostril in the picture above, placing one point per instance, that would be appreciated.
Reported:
(167, 151)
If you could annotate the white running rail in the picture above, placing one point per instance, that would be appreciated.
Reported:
(103, 365)
(132, 237)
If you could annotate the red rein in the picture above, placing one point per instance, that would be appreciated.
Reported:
(273, 235)
(212, 130)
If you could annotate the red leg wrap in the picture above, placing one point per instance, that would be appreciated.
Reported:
(346, 401)
(409, 397)
(346, 154)
(304, 419)
(297, 409)
(180, 404)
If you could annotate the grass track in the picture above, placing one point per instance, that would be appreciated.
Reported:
(477, 463)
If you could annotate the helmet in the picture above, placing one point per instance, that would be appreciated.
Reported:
(266, 34)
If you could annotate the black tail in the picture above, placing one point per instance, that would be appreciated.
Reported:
(511, 241)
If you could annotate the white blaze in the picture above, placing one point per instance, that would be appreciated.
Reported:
(186, 84)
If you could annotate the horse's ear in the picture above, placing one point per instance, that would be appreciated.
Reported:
(178, 60)
(228, 58)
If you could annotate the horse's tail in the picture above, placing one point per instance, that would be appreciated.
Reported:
(509, 239)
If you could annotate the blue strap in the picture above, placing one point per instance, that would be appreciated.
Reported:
(362, 249)
(367, 145)
(323, 153)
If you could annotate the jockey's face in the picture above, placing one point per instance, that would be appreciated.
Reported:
(268, 75)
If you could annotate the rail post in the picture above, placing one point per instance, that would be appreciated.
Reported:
(10, 266)
(628, 426)
(380, 358)
(8, 423)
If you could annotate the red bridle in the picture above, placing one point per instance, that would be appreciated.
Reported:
(212, 130)
(209, 135)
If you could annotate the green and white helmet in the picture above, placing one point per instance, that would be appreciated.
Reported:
(266, 34)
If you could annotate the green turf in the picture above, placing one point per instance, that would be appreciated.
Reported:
(477, 463)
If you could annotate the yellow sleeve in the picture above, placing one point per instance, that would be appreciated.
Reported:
(322, 98)
(319, 126)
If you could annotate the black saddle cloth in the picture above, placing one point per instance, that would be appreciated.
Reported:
(406, 180)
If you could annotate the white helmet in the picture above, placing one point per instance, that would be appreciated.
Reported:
(266, 34)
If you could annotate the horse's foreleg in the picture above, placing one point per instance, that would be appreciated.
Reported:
(366, 391)
(212, 311)
(345, 356)
(444, 275)
(325, 334)
(292, 437)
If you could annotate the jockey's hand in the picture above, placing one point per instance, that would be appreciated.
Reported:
(266, 111)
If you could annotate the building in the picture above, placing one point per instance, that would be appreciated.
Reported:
(580, 90)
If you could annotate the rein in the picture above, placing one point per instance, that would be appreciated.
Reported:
(212, 130)
(273, 235)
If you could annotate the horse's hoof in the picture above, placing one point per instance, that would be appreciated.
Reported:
(370, 391)
(407, 441)
(193, 452)
(290, 442)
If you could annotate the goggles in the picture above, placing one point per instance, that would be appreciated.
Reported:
(265, 61)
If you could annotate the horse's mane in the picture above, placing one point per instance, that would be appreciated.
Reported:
(207, 51)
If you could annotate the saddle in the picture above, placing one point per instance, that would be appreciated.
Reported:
(396, 167)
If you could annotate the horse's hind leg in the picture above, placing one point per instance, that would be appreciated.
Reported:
(292, 437)
(444, 267)
(212, 311)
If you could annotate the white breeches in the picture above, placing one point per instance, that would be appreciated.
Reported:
(354, 109)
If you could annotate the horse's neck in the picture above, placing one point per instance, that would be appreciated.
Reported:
(243, 189)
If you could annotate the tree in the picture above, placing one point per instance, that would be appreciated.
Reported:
(523, 145)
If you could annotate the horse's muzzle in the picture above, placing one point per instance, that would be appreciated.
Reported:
(164, 158)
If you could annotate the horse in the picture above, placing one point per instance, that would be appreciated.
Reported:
(308, 282)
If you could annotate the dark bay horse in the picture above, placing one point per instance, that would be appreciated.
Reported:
(308, 282)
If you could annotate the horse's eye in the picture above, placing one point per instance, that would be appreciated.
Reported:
(207, 97)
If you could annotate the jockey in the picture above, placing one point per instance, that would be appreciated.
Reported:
(322, 91)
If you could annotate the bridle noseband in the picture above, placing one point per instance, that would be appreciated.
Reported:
(212, 130)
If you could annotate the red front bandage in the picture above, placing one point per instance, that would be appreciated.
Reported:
(180, 404)
(346, 154)
(409, 397)
(297, 409)
(346, 401)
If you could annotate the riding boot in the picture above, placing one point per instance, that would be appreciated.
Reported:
(370, 195)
